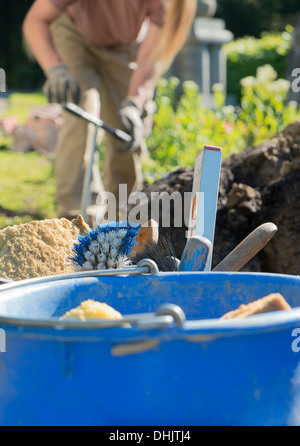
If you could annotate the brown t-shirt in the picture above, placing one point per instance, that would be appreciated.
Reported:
(109, 22)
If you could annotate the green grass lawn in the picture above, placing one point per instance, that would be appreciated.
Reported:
(20, 104)
(26, 187)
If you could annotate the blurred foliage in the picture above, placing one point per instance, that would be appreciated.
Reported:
(252, 17)
(246, 54)
(242, 17)
(19, 106)
(27, 187)
(182, 126)
(21, 73)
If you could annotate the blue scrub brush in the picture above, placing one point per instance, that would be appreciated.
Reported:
(106, 247)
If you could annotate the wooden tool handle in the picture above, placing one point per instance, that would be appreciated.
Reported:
(148, 233)
(248, 248)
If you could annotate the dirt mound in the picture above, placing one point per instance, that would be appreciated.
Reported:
(260, 184)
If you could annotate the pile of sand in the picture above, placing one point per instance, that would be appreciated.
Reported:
(38, 248)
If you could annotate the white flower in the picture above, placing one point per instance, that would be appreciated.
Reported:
(248, 81)
(281, 87)
(265, 73)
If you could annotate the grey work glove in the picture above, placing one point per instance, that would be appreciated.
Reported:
(61, 84)
(131, 118)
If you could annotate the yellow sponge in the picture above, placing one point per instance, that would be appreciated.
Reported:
(90, 309)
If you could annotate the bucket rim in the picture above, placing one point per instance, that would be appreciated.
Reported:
(214, 327)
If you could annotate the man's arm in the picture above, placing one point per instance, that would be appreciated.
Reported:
(145, 77)
(37, 33)
(141, 90)
(61, 84)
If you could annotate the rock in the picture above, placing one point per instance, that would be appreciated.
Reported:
(258, 185)
(40, 132)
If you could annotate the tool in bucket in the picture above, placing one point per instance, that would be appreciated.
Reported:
(197, 254)
(98, 123)
(248, 248)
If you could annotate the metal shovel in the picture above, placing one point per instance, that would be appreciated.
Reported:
(98, 123)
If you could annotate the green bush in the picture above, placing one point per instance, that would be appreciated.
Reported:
(181, 129)
(183, 126)
(245, 55)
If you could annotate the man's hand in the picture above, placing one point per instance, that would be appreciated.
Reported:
(61, 84)
(131, 118)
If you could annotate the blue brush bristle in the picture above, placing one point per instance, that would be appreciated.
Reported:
(107, 246)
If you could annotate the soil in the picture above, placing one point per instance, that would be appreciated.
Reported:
(261, 184)
(7, 212)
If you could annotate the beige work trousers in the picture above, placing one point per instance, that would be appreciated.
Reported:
(103, 75)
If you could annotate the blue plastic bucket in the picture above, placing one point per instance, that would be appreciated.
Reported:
(206, 372)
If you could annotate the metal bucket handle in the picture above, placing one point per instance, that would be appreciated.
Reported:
(145, 266)
(166, 314)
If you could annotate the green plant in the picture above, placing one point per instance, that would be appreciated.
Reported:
(184, 125)
(263, 105)
(246, 54)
